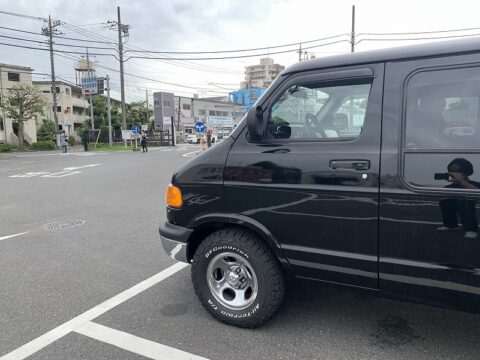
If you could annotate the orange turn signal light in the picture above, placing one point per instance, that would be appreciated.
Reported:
(173, 197)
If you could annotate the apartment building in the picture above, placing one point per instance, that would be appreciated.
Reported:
(11, 75)
(261, 75)
(186, 111)
(73, 108)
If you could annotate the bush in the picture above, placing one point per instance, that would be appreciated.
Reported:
(46, 131)
(71, 140)
(5, 148)
(44, 145)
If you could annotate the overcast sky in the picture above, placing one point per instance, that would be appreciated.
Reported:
(209, 25)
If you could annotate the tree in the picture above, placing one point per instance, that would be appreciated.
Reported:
(100, 113)
(137, 114)
(22, 103)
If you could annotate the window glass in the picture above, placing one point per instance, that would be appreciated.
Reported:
(311, 112)
(443, 109)
(442, 170)
(442, 118)
(13, 77)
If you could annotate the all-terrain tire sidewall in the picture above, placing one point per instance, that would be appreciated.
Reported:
(270, 292)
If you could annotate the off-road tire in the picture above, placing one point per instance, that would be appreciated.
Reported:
(268, 273)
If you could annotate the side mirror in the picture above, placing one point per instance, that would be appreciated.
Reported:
(283, 132)
(255, 122)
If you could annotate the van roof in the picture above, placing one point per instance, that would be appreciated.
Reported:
(450, 47)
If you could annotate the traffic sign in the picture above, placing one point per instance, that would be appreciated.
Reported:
(135, 129)
(200, 127)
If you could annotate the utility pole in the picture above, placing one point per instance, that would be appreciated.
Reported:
(122, 79)
(178, 117)
(352, 39)
(109, 105)
(300, 52)
(48, 31)
(147, 118)
(90, 96)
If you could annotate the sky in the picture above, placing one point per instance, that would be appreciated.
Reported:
(216, 25)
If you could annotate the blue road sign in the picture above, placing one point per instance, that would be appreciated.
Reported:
(200, 127)
(135, 129)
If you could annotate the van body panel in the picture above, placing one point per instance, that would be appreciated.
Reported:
(418, 261)
(325, 218)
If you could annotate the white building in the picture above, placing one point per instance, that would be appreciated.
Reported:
(262, 75)
(11, 75)
(73, 108)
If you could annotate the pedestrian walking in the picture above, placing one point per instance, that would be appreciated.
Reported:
(209, 138)
(64, 142)
(143, 141)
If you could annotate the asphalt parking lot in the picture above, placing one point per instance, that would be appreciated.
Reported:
(83, 276)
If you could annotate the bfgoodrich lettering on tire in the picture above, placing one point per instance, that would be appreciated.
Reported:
(237, 278)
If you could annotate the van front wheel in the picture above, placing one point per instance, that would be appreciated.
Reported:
(237, 278)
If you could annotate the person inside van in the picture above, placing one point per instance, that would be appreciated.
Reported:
(458, 174)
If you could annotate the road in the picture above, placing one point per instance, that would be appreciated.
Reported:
(83, 276)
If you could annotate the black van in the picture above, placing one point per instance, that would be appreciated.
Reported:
(359, 169)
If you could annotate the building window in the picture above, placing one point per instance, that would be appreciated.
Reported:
(13, 77)
(186, 106)
(67, 91)
(59, 109)
(442, 122)
(46, 91)
(166, 103)
(1, 124)
(201, 112)
(57, 89)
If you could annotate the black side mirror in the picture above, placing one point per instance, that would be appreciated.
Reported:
(255, 122)
(283, 132)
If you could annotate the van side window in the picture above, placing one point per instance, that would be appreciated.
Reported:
(442, 129)
(311, 112)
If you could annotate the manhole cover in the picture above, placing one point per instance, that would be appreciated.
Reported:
(64, 225)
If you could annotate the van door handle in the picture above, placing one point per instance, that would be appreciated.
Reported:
(350, 164)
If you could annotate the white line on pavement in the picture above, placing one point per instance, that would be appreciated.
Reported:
(134, 343)
(72, 325)
(11, 236)
(191, 154)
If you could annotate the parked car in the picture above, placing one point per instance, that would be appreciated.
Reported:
(192, 139)
(381, 201)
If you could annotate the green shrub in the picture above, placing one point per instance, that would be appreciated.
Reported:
(44, 145)
(71, 140)
(46, 131)
(5, 148)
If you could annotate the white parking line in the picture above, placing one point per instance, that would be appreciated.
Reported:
(134, 343)
(11, 236)
(191, 154)
(74, 324)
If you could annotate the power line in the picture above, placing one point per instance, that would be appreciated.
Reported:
(23, 16)
(235, 57)
(56, 51)
(237, 50)
(58, 44)
(420, 32)
(423, 38)
(57, 36)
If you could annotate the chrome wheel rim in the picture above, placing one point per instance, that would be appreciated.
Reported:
(232, 281)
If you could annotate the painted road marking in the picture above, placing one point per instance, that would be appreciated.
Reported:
(47, 174)
(11, 236)
(75, 323)
(134, 343)
(191, 154)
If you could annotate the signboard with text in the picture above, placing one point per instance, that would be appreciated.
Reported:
(89, 85)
